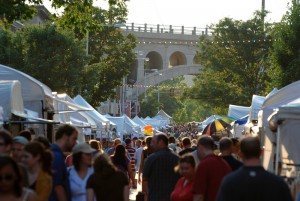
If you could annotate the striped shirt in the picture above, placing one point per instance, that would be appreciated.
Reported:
(131, 151)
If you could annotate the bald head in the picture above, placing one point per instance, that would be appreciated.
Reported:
(250, 147)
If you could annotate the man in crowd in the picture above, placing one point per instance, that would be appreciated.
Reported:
(252, 181)
(210, 171)
(131, 152)
(159, 178)
(187, 146)
(110, 151)
(138, 153)
(65, 139)
(226, 146)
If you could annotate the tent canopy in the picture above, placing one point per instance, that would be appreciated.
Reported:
(289, 94)
(237, 111)
(163, 114)
(36, 95)
(12, 103)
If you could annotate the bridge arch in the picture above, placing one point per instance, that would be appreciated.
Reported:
(155, 61)
(177, 58)
(164, 75)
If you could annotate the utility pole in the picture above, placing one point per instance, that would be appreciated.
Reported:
(263, 4)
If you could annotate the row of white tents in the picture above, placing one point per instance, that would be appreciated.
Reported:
(278, 125)
(27, 102)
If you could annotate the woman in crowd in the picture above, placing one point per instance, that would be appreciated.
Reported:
(97, 146)
(38, 161)
(11, 182)
(183, 190)
(81, 170)
(107, 183)
(122, 162)
(146, 152)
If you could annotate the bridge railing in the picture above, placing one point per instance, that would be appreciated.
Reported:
(150, 28)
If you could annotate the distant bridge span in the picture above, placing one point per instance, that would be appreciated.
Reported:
(160, 76)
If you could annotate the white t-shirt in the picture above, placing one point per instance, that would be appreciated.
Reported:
(137, 157)
(78, 185)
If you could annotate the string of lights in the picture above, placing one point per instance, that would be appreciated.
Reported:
(155, 86)
(207, 42)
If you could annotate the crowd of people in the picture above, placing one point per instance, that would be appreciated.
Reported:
(168, 167)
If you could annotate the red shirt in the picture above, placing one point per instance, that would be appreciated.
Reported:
(209, 175)
(183, 193)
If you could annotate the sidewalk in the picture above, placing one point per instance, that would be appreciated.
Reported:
(134, 192)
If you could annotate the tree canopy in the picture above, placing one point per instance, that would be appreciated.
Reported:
(286, 47)
(235, 60)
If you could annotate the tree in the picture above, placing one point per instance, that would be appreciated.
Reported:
(235, 60)
(50, 54)
(285, 52)
(110, 51)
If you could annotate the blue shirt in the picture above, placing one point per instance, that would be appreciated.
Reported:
(60, 175)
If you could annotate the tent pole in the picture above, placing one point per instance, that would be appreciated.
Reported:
(277, 150)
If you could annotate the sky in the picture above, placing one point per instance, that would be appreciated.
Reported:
(199, 13)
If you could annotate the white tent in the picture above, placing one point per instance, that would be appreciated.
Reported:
(12, 103)
(103, 124)
(289, 94)
(237, 111)
(36, 95)
(286, 121)
(139, 121)
(126, 126)
(165, 116)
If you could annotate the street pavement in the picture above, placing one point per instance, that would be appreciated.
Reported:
(134, 192)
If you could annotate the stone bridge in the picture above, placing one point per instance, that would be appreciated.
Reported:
(166, 51)
(157, 77)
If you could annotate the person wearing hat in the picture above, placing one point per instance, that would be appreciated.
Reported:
(17, 148)
(81, 170)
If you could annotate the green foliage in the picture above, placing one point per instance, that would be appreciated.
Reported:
(11, 10)
(50, 54)
(286, 49)
(234, 70)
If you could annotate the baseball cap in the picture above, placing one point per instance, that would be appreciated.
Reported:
(83, 148)
(20, 139)
(127, 140)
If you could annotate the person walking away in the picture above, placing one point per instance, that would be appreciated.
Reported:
(159, 178)
(107, 183)
(138, 153)
(11, 188)
(38, 162)
(146, 152)
(81, 170)
(226, 147)
(65, 139)
(210, 171)
(183, 190)
(95, 144)
(131, 152)
(252, 181)
(122, 162)
(187, 146)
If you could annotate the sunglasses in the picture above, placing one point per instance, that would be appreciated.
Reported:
(7, 177)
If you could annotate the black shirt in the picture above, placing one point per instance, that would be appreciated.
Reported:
(253, 184)
(232, 162)
(185, 151)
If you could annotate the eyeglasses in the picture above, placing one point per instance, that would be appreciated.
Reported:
(7, 177)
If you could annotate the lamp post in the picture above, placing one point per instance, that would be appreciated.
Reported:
(158, 85)
(145, 77)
